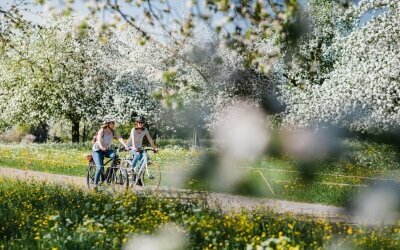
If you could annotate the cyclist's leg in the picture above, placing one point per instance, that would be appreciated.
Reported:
(140, 157)
(98, 158)
(137, 156)
(140, 171)
(109, 153)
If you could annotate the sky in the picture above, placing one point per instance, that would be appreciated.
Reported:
(35, 12)
(178, 5)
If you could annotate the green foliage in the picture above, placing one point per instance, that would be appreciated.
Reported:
(169, 77)
(372, 156)
(43, 216)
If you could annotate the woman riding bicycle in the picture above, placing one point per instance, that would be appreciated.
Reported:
(102, 146)
(136, 139)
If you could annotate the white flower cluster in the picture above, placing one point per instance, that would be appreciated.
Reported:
(207, 75)
(51, 73)
(361, 90)
(65, 72)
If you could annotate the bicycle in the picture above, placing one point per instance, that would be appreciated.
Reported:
(147, 175)
(115, 174)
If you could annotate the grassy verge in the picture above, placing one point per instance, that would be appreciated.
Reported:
(39, 216)
(333, 182)
(70, 159)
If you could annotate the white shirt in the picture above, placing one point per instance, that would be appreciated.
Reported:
(138, 135)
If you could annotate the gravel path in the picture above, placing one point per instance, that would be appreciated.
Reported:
(224, 201)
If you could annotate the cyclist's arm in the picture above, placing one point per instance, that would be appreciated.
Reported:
(153, 145)
(121, 140)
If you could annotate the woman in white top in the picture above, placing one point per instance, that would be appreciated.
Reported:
(136, 139)
(102, 146)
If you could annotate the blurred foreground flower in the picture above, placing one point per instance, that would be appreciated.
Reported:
(241, 136)
(169, 237)
(241, 132)
(308, 147)
(341, 243)
(379, 204)
(282, 242)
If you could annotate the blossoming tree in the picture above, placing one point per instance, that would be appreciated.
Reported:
(52, 72)
(60, 72)
(359, 89)
(193, 77)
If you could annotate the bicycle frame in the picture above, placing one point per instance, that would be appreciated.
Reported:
(108, 161)
(143, 163)
(113, 173)
(112, 160)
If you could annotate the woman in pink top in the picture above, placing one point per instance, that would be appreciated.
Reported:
(102, 146)
(136, 139)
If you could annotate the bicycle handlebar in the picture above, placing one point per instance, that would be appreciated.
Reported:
(147, 149)
(119, 148)
(150, 149)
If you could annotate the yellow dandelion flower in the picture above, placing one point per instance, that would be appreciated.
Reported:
(350, 230)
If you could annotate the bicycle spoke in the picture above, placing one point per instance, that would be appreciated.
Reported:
(151, 177)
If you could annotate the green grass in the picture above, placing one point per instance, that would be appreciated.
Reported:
(45, 158)
(70, 159)
(42, 216)
(334, 182)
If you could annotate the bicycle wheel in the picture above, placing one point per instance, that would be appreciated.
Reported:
(91, 172)
(119, 178)
(127, 166)
(150, 177)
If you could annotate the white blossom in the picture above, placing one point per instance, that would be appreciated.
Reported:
(361, 90)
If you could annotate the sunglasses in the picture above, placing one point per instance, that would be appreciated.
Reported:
(140, 122)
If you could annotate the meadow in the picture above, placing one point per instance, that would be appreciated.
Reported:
(42, 216)
(292, 100)
(333, 183)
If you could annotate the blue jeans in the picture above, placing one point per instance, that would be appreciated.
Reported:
(137, 157)
(98, 158)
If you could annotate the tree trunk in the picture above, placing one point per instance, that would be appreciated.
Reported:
(40, 132)
(195, 139)
(84, 133)
(75, 131)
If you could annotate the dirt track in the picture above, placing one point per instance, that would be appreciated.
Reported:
(224, 201)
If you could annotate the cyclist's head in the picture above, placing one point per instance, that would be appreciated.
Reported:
(108, 121)
(139, 121)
